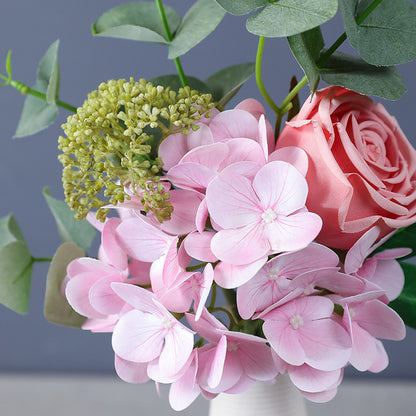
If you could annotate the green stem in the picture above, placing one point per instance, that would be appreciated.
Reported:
(213, 296)
(169, 38)
(196, 267)
(41, 259)
(259, 79)
(367, 11)
(25, 89)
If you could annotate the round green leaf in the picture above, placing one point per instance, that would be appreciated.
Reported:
(138, 21)
(240, 7)
(388, 35)
(200, 20)
(70, 229)
(357, 75)
(56, 308)
(225, 83)
(289, 17)
(15, 276)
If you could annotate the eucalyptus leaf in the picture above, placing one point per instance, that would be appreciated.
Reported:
(9, 231)
(15, 276)
(307, 47)
(290, 17)
(15, 266)
(56, 307)
(357, 75)
(38, 114)
(70, 229)
(405, 304)
(200, 20)
(241, 7)
(388, 35)
(225, 83)
(8, 69)
(348, 9)
(173, 81)
(138, 21)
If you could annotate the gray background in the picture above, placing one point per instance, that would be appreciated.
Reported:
(30, 343)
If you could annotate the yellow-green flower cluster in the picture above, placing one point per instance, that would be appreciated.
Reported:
(109, 141)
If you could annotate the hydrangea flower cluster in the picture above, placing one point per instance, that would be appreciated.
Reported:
(239, 223)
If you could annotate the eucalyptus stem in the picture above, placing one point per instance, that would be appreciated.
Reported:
(41, 259)
(169, 38)
(25, 89)
(259, 79)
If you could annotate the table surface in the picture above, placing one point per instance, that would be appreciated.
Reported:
(69, 395)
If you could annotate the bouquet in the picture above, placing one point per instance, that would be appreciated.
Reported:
(235, 246)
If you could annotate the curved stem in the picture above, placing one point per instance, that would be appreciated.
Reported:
(169, 38)
(259, 79)
(41, 259)
(25, 89)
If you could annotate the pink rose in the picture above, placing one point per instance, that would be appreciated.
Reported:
(361, 166)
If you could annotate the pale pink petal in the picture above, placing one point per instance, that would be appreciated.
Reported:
(380, 320)
(364, 349)
(138, 337)
(231, 374)
(293, 155)
(240, 246)
(207, 326)
(179, 343)
(198, 245)
(382, 359)
(201, 216)
(191, 176)
(293, 232)
(360, 250)
(285, 341)
(280, 187)
(185, 205)
(311, 380)
(172, 149)
(233, 123)
(240, 150)
(115, 255)
(326, 343)
(185, 390)
(131, 372)
(77, 293)
(103, 298)
(141, 240)
(322, 396)
(242, 385)
(139, 298)
(257, 361)
(230, 276)
(140, 272)
(231, 201)
(204, 290)
(216, 368)
(389, 276)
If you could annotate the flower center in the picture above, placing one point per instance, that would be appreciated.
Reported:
(268, 216)
(273, 275)
(296, 321)
(167, 322)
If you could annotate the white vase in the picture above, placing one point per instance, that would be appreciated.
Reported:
(279, 399)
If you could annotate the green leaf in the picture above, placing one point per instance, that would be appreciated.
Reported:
(240, 7)
(348, 10)
(307, 47)
(15, 267)
(56, 308)
(404, 237)
(357, 75)
(38, 114)
(405, 304)
(138, 21)
(225, 83)
(290, 17)
(388, 35)
(174, 82)
(70, 229)
(200, 20)
(8, 69)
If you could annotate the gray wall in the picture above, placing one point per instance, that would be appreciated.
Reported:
(27, 165)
